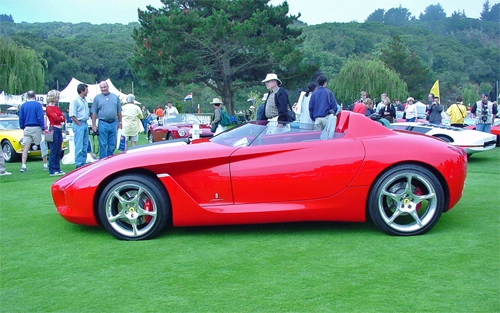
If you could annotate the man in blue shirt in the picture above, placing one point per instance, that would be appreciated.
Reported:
(107, 108)
(322, 104)
(31, 120)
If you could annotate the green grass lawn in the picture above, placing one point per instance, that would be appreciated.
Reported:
(50, 265)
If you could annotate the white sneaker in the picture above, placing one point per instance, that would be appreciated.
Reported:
(24, 169)
(45, 167)
(5, 173)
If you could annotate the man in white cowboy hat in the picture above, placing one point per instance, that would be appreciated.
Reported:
(277, 102)
(216, 126)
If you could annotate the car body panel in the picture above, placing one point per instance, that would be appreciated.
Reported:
(287, 177)
(470, 140)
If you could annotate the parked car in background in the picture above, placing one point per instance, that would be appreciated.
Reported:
(471, 141)
(11, 139)
(495, 129)
(178, 126)
(256, 173)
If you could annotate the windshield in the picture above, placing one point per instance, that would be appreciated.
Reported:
(255, 133)
(6, 124)
(182, 118)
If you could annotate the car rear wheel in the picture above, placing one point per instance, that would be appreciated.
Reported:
(444, 138)
(150, 137)
(170, 137)
(9, 153)
(405, 201)
(134, 207)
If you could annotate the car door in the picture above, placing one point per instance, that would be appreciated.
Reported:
(296, 171)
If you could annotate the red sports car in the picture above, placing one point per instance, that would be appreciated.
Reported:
(257, 173)
(178, 126)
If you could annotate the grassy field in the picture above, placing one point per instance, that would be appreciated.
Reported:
(50, 265)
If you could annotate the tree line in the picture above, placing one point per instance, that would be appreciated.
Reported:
(218, 50)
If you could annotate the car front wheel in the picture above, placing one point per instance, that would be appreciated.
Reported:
(405, 201)
(134, 207)
(9, 153)
(150, 137)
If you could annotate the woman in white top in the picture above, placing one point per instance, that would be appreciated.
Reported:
(302, 106)
(411, 110)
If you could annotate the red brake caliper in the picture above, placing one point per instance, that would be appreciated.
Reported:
(148, 206)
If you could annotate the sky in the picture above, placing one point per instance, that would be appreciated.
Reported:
(312, 11)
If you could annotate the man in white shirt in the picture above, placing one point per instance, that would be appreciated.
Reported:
(170, 110)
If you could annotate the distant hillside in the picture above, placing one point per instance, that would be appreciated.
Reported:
(456, 50)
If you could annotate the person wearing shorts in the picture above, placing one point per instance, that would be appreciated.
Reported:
(31, 120)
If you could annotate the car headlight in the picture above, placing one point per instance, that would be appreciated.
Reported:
(182, 132)
(21, 141)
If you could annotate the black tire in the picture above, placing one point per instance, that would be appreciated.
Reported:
(407, 200)
(150, 137)
(134, 207)
(170, 137)
(9, 153)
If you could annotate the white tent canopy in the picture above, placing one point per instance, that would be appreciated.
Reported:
(420, 108)
(15, 100)
(69, 93)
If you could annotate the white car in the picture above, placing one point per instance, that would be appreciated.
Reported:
(471, 141)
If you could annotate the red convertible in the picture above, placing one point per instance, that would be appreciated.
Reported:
(258, 173)
(178, 126)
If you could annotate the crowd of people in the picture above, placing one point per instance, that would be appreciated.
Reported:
(108, 117)
(316, 103)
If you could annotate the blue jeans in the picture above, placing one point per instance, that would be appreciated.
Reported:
(107, 138)
(411, 119)
(483, 128)
(55, 151)
(145, 123)
(81, 143)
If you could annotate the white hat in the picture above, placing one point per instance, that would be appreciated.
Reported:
(272, 76)
(216, 101)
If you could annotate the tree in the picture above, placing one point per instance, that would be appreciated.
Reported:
(397, 16)
(469, 94)
(376, 17)
(397, 56)
(433, 13)
(4, 18)
(369, 75)
(227, 45)
(21, 69)
(490, 14)
(486, 11)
